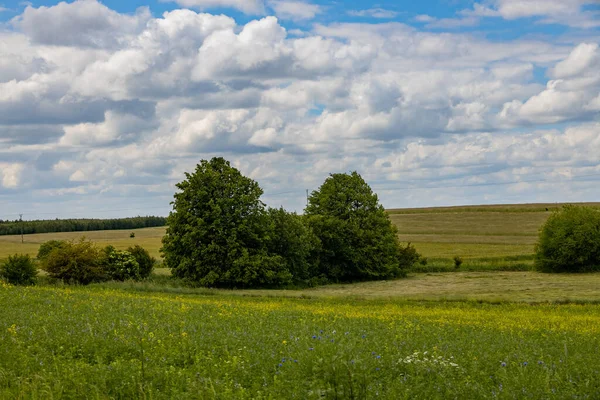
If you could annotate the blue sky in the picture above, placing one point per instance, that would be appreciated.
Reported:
(105, 104)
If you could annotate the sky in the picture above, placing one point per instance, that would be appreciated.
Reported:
(104, 105)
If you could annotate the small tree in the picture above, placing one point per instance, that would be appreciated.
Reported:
(120, 265)
(217, 231)
(143, 258)
(358, 240)
(47, 247)
(75, 262)
(19, 270)
(569, 241)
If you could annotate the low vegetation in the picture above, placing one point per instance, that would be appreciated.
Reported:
(570, 241)
(19, 269)
(459, 334)
(80, 342)
(83, 262)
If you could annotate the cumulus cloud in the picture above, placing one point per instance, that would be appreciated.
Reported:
(81, 23)
(567, 12)
(11, 175)
(132, 101)
(295, 10)
(571, 95)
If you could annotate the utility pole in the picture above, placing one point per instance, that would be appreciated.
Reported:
(21, 223)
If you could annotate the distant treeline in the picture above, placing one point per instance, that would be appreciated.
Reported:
(78, 225)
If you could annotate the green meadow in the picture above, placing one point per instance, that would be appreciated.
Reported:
(491, 328)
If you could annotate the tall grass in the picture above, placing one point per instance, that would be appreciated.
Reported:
(96, 342)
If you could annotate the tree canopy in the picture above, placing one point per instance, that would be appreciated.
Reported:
(358, 240)
(218, 231)
(220, 234)
(569, 241)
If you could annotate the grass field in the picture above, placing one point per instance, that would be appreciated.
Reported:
(149, 238)
(99, 343)
(486, 237)
(472, 333)
(493, 286)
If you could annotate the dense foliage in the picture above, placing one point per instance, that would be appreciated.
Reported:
(82, 262)
(144, 260)
(294, 241)
(358, 240)
(569, 241)
(120, 265)
(19, 269)
(218, 231)
(47, 247)
(75, 262)
(78, 225)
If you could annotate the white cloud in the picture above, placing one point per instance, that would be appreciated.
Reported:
(571, 96)
(11, 175)
(295, 10)
(124, 110)
(424, 18)
(447, 23)
(567, 12)
(255, 7)
(380, 13)
(582, 58)
(81, 23)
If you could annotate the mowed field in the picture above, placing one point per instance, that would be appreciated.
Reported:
(478, 332)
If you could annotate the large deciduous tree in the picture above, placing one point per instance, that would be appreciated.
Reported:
(218, 231)
(358, 240)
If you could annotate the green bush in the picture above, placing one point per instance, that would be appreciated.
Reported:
(19, 270)
(120, 265)
(47, 247)
(457, 262)
(358, 240)
(143, 258)
(569, 241)
(75, 262)
(409, 256)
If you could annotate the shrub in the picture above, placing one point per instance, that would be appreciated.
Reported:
(75, 262)
(132, 235)
(409, 256)
(120, 265)
(47, 247)
(218, 229)
(457, 262)
(569, 241)
(358, 240)
(19, 270)
(143, 258)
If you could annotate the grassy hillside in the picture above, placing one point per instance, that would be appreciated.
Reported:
(486, 237)
(149, 238)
